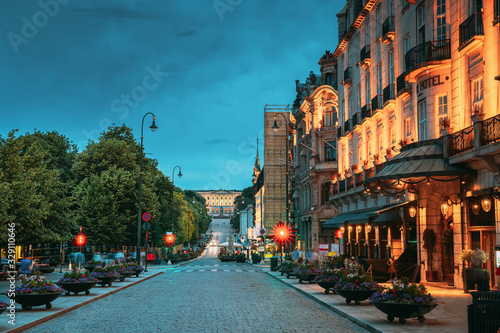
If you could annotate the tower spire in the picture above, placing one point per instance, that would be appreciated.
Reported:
(256, 168)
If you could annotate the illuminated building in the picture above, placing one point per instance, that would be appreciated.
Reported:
(219, 202)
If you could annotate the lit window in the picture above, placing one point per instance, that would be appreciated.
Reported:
(407, 127)
(441, 19)
(477, 90)
(422, 120)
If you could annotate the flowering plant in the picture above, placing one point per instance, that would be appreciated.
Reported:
(3, 304)
(36, 284)
(331, 275)
(400, 291)
(76, 277)
(466, 255)
(479, 257)
(288, 265)
(306, 269)
(100, 271)
(41, 266)
(357, 282)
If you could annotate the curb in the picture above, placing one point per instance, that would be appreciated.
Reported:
(74, 307)
(353, 319)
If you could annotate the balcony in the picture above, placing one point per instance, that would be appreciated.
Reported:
(350, 182)
(347, 76)
(347, 126)
(431, 53)
(388, 30)
(402, 87)
(358, 179)
(365, 57)
(471, 32)
(342, 186)
(462, 141)
(366, 112)
(476, 139)
(356, 120)
(389, 94)
(377, 104)
(339, 132)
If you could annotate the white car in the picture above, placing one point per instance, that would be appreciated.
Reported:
(213, 243)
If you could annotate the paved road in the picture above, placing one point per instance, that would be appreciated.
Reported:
(204, 296)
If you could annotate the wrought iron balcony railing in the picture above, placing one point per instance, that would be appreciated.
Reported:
(347, 126)
(347, 76)
(356, 119)
(470, 28)
(388, 28)
(366, 112)
(377, 103)
(427, 52)
(389, 94)
(339, 132)
(402, 86)
(365, 54)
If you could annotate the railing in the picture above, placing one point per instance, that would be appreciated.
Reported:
(366, 112)
(358, 179)
(388, 26)
(462, 141)
(389, 94)
(347, 126)
(379, 167)
(470, 28)
(377, 103)
(402, 85)
(369, 173)
(356, 119)
(347, 75)
(335, 188)
(365, 53)
(342, 186)
(426, 52)
(350, 182)
(490, 130)
(339, 132)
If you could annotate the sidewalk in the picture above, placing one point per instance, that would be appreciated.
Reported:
(451, 316)
(63, 304)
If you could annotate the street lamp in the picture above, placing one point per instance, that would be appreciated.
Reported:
(153, 128)
(172, 210)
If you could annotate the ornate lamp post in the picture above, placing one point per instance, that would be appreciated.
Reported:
(153, 128)
(172, 193)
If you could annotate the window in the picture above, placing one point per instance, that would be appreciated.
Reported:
(331, 151)
(351, 110)
(330, 117)
(441, 19)
(380, 135)
(422, 120)
(367, 89)
(407, 128)
(392, 128)
(356, 53)
(391, 7)
(442, 102)
(477, 90)
(359, 98)
(326, 189)
(421, 24)
(329, 79)
(379, 79)
(369, 142)
(391, 67)
(406, 44)
(378, 14)
(367, 32)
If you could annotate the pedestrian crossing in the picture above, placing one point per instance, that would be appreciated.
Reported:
(185, 270)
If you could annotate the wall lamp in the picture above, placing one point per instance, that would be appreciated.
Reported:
(446, 203)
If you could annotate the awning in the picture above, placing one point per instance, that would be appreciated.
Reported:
(357, 217)
(388, 218)
(416, 160)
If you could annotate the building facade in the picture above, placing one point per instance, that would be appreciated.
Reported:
(219, 202)
(419, 132)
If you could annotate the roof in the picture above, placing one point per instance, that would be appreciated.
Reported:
(422, 159)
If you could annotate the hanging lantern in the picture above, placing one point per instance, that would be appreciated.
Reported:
(412, 211)
(475, 208)
(444, 208)
(486, 204)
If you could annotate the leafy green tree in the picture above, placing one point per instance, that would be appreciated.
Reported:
(241, 202)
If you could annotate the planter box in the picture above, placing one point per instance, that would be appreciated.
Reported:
(404, 311)
(355, 295)
(308, 277)
(469, 281)
(77, 287)
(327, 285)
(27, 301)
(106, 280)
(125, 274)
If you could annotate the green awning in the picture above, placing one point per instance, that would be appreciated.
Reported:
(357, 217)
(388, 218)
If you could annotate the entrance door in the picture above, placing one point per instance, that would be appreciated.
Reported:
(488, 245)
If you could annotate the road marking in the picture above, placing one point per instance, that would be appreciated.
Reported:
(214, 270)
(239, 270)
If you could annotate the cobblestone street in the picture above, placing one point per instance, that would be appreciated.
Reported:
(203, 296)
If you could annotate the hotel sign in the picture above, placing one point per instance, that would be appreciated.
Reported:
(430, 82)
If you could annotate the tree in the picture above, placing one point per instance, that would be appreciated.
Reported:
(241, 202)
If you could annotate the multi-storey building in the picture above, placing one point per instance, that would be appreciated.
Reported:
(219, 202)
(419, 131)
(314, 122)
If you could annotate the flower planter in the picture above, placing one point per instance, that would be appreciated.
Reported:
(308, 277)
(355, 295)
(27, 301)
(45, 270)
(137, 272)
(89, 268)
(482, 278)
(77, 287)
(125, 274)
(327, 285)
(404, 311)
(106, 280)
(469, 281)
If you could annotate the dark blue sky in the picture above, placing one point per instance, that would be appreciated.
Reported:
(205, 68)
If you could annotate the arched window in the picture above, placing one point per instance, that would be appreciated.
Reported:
(213, 210)
(325, 192)
(225, 211)
(217, 210)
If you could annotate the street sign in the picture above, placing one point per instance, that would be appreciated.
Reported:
(242, 238)
(262, 231)
(146, 226)
(146, 216)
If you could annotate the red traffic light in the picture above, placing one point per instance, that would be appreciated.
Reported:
(282, 233)
(80, 239)
(169, 239)
(339, 234)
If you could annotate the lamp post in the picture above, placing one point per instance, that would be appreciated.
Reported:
(172, 193)
(153, 128)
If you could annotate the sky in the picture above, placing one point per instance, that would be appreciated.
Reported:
(205, 68)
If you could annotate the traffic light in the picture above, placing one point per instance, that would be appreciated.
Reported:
(150, 240)
(339, 234)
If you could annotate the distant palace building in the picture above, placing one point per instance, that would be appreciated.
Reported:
(219, 202)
